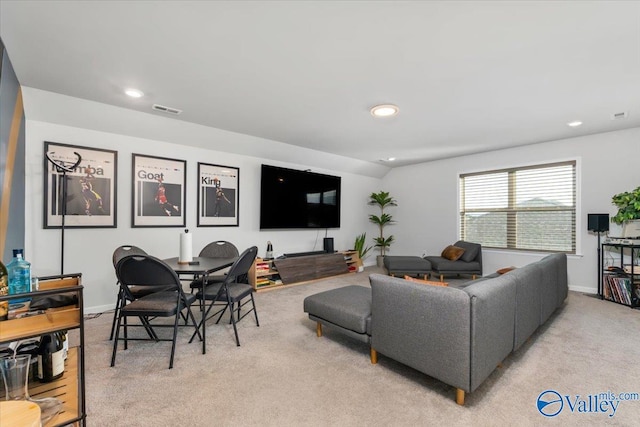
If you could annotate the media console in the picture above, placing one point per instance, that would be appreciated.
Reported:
(298, 254)
(296, 270)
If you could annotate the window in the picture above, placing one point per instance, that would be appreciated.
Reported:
(529, 208)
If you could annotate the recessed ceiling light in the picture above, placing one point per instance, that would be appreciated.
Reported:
(574, 123)
(391, 159)
(384, 110)
(134, 93)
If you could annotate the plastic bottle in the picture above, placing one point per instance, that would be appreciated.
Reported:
(4, 290)
(19, 276)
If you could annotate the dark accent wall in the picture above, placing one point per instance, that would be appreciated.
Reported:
(12, 160)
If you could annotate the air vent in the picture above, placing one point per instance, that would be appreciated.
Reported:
(619, 116)
(167, 110)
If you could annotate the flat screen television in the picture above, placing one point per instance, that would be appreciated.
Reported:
(292, 198)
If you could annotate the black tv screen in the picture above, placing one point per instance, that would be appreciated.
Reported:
(298, 199)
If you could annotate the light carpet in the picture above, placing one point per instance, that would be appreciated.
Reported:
(283, 375)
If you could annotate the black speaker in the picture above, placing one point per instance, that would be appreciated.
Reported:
(598, 222)
(328, 245)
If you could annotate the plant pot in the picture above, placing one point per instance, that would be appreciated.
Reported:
(380, 261)
(631, 228)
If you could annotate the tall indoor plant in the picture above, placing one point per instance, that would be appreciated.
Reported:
(382, 199)
(628, 204)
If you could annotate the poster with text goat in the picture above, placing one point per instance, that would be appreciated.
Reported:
(159, 193)
(80, 185)
(218, 195)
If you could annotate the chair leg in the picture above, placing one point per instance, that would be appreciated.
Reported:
(175, 335)
(126, 335)
(255, 311)
(116, 313)
(115, 343)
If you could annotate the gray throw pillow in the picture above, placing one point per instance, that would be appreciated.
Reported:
(470, 250)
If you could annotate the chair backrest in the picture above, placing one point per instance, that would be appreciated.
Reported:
(146, 270)
(219, 249)
(125, 250)
(242, 265)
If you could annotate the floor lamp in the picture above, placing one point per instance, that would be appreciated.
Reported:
(61, 168)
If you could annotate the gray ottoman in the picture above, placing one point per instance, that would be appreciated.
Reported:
(346, 309)
(410, 265)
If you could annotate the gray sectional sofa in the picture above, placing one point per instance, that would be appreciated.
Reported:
(456, 335)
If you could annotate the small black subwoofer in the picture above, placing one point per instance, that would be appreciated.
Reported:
(328, 245)
(598, 222)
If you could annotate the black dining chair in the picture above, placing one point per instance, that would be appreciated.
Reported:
(167, 299)
(134, 291)
(217, 249)
(233, 293)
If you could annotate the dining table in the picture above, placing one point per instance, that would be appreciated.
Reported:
(200, 267)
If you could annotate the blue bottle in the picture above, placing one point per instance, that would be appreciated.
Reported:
(19, 276)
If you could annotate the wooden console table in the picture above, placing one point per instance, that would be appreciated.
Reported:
(301, 269)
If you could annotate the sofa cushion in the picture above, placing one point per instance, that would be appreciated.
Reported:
(443, 264)
(527, 281)
(406, 264)
(471, 250)
(348, 307)
(493, 309)
(452, 253)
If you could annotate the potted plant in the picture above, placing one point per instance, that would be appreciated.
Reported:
(359, 246)
(628, 215)
(382, 199)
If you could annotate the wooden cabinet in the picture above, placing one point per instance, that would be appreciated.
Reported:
(70, 387)
(269, 274)
(262, 274)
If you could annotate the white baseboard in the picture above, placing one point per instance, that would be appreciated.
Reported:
(98, 309)
(583, 290)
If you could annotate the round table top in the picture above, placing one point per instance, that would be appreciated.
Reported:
(19, 413)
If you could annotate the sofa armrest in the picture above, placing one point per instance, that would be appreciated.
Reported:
(425, 327)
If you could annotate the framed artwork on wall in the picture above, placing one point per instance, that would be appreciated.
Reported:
(159, 195)
(89, 178)
(218, 195)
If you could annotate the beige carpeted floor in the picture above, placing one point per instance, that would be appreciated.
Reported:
(283, 375)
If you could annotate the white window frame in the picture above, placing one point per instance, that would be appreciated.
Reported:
(576, 236)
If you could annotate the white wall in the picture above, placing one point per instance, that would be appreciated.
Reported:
(89, 251)
(428, 206)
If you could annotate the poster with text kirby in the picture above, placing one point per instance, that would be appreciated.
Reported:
(218, 195)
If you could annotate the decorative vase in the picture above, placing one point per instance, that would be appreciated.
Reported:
(15, 372)
(380, 261)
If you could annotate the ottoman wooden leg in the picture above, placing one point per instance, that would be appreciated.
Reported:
(374, 356)
(460, 396)
(318, 329)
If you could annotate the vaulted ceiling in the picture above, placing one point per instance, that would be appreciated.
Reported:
(468, 77)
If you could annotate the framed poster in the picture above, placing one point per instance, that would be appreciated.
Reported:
(90, 178)
(159, 193)
(218, 195)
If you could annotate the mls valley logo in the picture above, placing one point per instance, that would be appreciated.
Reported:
(550, 403)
